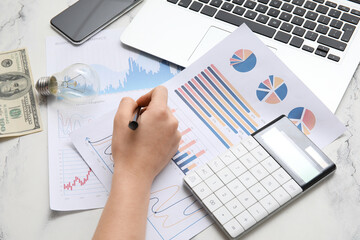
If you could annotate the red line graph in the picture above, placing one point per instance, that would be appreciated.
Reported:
(70, 185)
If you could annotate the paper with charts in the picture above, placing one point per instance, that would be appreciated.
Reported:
(73, 185)
(230, 92)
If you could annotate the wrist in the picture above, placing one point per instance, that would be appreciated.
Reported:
(130, 178)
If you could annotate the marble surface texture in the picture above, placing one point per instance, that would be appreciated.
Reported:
(330, 211)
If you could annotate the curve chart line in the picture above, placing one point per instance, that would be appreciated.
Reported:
(187, 215)
(100, 142)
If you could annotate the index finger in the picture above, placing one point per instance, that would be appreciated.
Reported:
(157, 97)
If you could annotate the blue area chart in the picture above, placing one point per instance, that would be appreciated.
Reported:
(136, 76)
(243, 60)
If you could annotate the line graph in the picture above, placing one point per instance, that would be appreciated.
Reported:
(102, 148)
(67, 124)
(77, 180)
(76, 176)
(172, 211)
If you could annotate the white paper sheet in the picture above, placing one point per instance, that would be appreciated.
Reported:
(73, 186)
(230, 92)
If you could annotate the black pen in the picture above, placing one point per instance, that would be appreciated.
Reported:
(134, 124)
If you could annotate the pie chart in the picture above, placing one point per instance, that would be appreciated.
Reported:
(273, 90)
(243, 60)
(303, 118)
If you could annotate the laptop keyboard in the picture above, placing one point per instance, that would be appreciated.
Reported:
(319, 27)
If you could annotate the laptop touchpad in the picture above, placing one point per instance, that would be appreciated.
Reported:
(213, 36)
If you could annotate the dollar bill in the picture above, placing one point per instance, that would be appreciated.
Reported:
(19, 110)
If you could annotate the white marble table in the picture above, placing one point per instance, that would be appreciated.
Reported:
(329, 211)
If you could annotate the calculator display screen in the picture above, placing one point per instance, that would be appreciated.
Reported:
(294, 151)
(287, 150)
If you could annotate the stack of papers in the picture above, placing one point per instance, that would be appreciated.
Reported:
(230, 92)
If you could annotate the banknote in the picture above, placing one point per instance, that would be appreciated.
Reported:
(19, 110)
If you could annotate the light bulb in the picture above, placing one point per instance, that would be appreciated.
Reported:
(78, 83)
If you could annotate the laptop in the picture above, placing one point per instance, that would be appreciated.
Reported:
(318, 40)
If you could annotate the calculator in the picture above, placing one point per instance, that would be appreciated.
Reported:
(249, 182)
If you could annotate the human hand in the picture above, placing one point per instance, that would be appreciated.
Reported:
(143, 153)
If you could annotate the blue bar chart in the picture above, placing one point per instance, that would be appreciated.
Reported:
(187, 156)
(224, 111)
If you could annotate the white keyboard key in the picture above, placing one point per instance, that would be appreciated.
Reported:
(212, 202)
(224, 194)
(223, 215)
(248, 160)
(238, 150)
(258, 211)
(259, 172)
(214, 183)
(204, 172)
(270, 183)
(249, 143)
(281, 176)
(192, 179)
(270, 164)
(216, 164)
(236, 187)
(247, 179)
(292, 188)
(269, 203)
(259, 153)
(235, 207)
(202, 190)
(233, 228)
(258, 191)
(225, 175)
(281, 196)
(246, 199)
(237, 168)
(227, 157)
(246, 220)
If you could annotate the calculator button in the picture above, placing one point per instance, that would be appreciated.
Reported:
(248, 160)
(269, 203)
(258, 191)
(246, 199)
(216, 164)
(214, 183)
(233, 228)
(270, 164)
(281, 176)
(247, 179)
(245, 219)
(259, 172)
(270, 183)
(225, 175)
(249, 143)
(236, 187)
(235, 207)
(237, 168)
(212, 202)
(223, 215)
(238, 150)
(202, 190)
(192, 179)
(259, 153)
(281, 196)
(204, 172)
(227, 157)
(292, 188)
(224, 194)
(258, 211)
